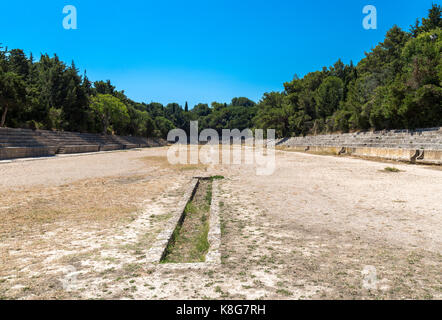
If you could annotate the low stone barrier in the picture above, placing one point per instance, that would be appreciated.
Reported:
(418, 146)
(26, 152)
(432, 156)
(385, 153)
(110, 147)
(79, 149)
(213, 257)
(396, 154)
(158, 249)
(131, 146)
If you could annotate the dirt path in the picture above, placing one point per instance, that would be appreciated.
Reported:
(319, 227)
(65, 169)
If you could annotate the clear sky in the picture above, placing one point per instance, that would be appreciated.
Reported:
(202, 50)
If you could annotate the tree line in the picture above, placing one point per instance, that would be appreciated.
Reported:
(396, 85)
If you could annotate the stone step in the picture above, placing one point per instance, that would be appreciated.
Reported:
(27, 143)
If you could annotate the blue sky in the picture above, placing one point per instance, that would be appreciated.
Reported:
(202, 51)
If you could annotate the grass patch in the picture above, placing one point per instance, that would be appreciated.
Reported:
(163, 163)
(391, 169)
(189, 242)
(284, 292)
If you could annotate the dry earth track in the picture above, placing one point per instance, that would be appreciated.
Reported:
(80, 227)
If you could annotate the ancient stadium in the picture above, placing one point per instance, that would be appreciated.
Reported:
(220, 158)
(342, 216)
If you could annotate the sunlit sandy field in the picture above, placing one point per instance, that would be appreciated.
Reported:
(320, 227)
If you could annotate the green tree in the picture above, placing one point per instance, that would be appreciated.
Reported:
(271, 114)
(75, 104)
(150, 127)
(111, 111)
(12, 93)
(104, 87)
(18, 63)
(164, 126)
(201, 110)
(328, 96)
(422, 108)
(433, 21)
(243, 102)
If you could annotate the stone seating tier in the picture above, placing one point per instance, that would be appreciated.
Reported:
(22, 143)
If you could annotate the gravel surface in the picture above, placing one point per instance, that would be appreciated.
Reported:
(320, 227)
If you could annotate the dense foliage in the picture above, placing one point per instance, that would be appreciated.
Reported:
(397, 85)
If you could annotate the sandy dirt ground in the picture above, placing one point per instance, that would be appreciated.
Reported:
(320, 227)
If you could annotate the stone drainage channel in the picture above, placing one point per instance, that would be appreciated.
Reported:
(165, 241)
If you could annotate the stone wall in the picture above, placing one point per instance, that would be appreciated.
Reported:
(26, 152)
(418, 146)
(24, 143)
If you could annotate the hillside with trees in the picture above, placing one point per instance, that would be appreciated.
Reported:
(396, 85)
